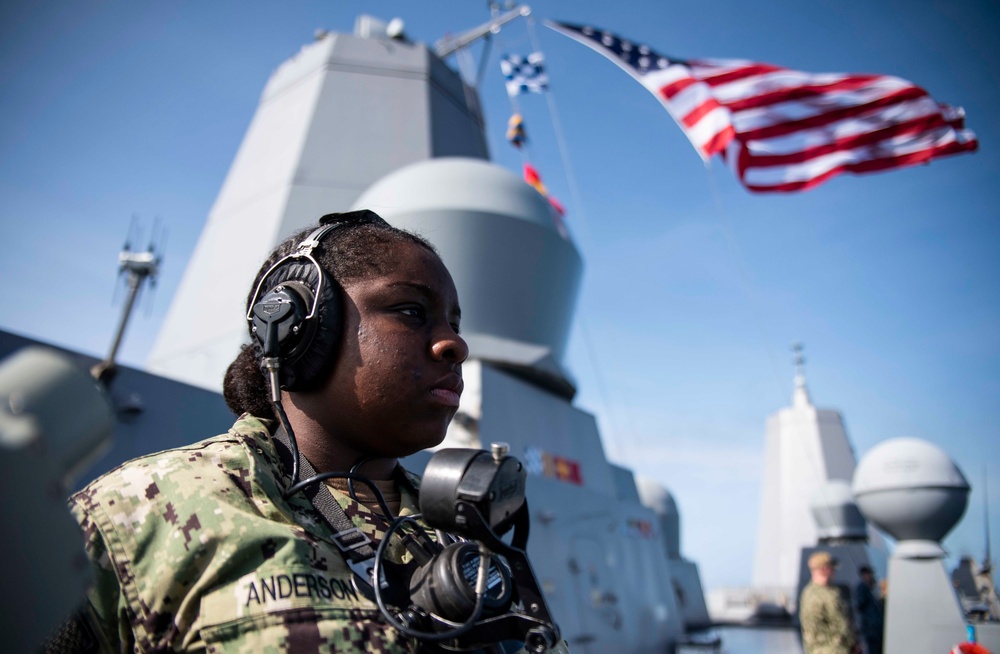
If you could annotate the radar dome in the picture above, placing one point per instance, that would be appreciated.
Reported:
(836, 513)
(911, 489)
(653, 495)
(516, 270)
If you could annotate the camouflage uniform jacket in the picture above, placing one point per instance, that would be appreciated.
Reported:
(826, 622)
(195, 550)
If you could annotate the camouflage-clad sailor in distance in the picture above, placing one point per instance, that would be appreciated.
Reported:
(197, 551)
(824, 615)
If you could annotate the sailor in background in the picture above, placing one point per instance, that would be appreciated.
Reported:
(203, 548)
(869, 605)
(824, 615)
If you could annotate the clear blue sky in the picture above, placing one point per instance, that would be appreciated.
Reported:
(694, 288)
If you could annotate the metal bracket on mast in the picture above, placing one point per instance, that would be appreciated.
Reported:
(139, 267)
(450, 45)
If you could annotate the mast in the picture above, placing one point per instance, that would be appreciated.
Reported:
(448, 45)
(987, 559)
(139, 267)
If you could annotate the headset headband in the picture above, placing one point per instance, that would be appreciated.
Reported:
(328, 223)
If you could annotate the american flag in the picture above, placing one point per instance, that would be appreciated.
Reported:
(785, 130)
(524, 74)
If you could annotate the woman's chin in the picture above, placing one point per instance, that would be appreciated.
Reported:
(422, 442)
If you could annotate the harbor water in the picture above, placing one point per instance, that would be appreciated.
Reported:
(750, 640)
(758, 640)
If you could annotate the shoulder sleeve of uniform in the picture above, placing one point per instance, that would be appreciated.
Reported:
(107, 610)
(248, 424)
(129, 513)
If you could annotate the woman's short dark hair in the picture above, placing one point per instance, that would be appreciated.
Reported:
(348, 253)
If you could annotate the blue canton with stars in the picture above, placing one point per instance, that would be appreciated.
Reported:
(640, 57)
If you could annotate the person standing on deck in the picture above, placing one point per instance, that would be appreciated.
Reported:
(825, 618)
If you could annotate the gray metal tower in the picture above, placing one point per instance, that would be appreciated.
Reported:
(806, 448)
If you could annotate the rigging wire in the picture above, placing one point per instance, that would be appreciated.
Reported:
(735, 252)
(585, 232)
(586, 238)
(525, 153)
(725, 221)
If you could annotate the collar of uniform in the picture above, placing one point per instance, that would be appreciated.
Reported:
(260, 431)
(256, 433)
(268, 468)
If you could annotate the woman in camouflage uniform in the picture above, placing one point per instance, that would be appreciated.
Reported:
(201, 549)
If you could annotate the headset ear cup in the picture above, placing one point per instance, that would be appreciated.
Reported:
(311, 364)
(278, 319)
(307, 354)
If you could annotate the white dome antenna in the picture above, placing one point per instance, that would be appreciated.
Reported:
(913, 491)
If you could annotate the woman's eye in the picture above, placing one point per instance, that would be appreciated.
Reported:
(416, 312)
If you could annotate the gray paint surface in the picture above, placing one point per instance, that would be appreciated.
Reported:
(923, 613)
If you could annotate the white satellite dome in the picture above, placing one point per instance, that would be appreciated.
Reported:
(654, 495)
(456, 183)
(836, 513)
(911, 489)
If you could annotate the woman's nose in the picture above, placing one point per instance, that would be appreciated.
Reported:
(450, 347)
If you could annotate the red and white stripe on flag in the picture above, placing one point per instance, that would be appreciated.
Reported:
(795, 130)
(705, 121)
(785, 130)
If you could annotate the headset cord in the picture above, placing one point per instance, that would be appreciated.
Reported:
(271, 361)
(351, 476)
(394, 523)
(428, 636)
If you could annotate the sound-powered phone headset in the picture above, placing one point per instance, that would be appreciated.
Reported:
(296, 324)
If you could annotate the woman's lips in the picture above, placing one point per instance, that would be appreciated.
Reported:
(446, 396)
(448, 390)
